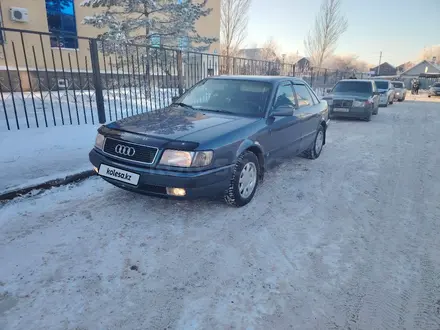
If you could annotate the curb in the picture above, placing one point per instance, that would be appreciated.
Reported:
(47, 185)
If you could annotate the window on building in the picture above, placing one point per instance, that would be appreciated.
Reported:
(62, 23)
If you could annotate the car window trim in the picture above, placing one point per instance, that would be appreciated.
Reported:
(281, 84)
(300, 84)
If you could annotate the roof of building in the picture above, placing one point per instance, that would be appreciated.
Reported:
(383, 64)
(435, 66)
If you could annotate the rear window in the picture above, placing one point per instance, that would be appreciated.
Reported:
(397, 84)
(381, 84)
(353, 87)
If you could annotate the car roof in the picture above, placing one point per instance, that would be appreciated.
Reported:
(269, 79)
(361, 80)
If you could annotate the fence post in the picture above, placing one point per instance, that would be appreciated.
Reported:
(293, 70)
(311, 77)
(179, 72)
(325, 76)
(97, 82)
(234, 65)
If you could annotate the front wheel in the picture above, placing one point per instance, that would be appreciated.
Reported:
(244, 180)
(315, 149)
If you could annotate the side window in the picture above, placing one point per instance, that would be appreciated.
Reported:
(303, 96)
(284, 96)
(314, 97)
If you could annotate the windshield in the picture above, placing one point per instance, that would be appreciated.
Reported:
(353, 87)
(397, 84)
(242, 97)
(436, 85)
(381, 84)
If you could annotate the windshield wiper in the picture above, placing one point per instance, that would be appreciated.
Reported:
(184, 105)
(221, 111)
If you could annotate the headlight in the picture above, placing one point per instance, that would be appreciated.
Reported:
(181, 158)
(99, 142)
(358, 104)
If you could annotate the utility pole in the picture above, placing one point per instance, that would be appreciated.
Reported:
(380, 60)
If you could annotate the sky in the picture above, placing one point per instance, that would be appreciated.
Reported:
(399, 28)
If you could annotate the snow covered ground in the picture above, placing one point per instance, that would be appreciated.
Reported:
(348, 241)
(37, 155)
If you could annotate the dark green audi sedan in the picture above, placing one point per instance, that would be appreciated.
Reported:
(217, 139)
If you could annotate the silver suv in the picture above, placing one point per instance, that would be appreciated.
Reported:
(399, 90)
(434, 90)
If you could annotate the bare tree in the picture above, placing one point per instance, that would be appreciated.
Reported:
(431, 54)
(347, 63)
(233, 25)
(329, 25)
(270, 50)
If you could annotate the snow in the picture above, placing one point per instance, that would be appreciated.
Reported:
(347, 241)
(77, 107)
(34, 156)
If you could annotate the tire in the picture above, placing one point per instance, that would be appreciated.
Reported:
(368, 118)
(375, 112)
(386, 105)
(315, 149)
(429, 95)
(232, 195)
(392, 101)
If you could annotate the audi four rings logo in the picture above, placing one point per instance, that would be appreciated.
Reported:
(125, 150)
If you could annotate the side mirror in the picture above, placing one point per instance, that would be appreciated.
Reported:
(328, 90)
(174, 99)
(283, 111)
(376, 93)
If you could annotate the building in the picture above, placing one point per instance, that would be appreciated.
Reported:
(426, 71)
(385, 69)
(69, 54)
(403, 67)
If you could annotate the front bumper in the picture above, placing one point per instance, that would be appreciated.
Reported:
(352, 113)
(383, 100)
(208, 183)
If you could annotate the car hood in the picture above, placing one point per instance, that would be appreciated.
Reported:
(348, 96)
(177, 123)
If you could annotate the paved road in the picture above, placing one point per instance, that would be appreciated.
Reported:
(348, 241)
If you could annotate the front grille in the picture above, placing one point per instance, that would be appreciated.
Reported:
(342, 104)
(142, 154)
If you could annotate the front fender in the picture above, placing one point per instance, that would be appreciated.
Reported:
(249, 144)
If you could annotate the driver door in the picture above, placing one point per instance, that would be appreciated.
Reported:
(284, 131)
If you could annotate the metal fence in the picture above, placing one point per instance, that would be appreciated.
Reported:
(42, 85)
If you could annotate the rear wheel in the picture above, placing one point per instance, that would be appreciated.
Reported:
(376, 111)
(315, 149)
(244, 180)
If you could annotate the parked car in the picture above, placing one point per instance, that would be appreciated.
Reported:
(354, 99)
(399, 90)
(434, 90)
(218, 138)
(386, 91)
